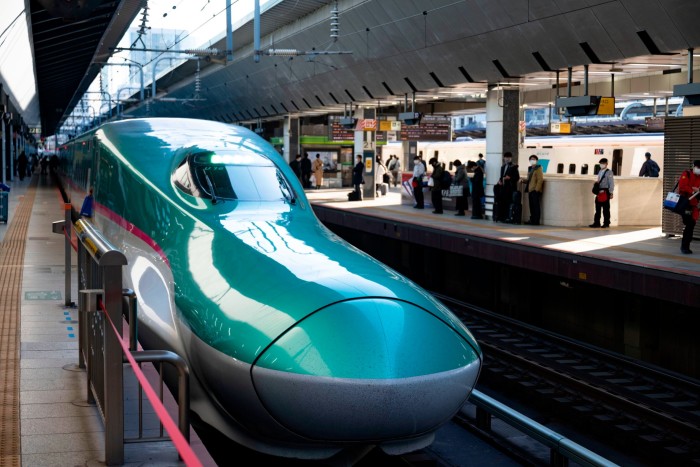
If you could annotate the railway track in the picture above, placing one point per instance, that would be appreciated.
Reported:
(639, 408)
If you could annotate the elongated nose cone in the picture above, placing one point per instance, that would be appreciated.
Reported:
(385, 368)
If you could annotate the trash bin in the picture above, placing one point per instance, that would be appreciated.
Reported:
(4, 199)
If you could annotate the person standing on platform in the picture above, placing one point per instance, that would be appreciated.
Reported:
(650, 168)
(22, 165)
(606, 186)
(306, 171)
(380, 175)
(358, 177)
(318, 171)
(436, 188)
(477, 189)
(417, 182)
(688, 185)
(296, 166)
(395, 169)
(535, 182)
(461, 180)
(481, 162)
(506, 186)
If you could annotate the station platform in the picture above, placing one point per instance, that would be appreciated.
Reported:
(636, 259)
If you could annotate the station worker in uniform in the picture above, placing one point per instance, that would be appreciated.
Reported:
(606, 186)
(688, 185)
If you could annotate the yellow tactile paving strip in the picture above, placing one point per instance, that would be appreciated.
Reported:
(11, 269)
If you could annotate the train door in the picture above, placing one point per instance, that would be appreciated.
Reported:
(617, 162)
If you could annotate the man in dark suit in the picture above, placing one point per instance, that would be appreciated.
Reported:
(506, 186)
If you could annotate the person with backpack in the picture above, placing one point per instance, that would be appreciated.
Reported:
(650, 168)
(436, 189)
(688, 185)
(461, 180)
(603, 194)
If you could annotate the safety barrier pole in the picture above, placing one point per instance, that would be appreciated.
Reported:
(105, 379)
(64, 228)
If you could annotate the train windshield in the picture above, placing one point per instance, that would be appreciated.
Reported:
(232, 175)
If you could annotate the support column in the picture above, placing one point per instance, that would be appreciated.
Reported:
(366, 145)
(291, 138)
(502, 112)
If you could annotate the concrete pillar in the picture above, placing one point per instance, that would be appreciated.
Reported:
(291, 138)
(502, 113)
(366, 145)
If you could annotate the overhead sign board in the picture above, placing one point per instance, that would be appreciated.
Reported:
(560, 128)
(430, 128)
(606, 106)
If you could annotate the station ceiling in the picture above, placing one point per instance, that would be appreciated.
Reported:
(68, 37)
(444, 51)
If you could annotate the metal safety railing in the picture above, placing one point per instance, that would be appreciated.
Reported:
(102, 302)
(562, 449)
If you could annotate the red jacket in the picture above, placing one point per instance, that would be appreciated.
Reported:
(686, 184)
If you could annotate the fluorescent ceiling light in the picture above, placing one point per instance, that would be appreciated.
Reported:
(665, 65)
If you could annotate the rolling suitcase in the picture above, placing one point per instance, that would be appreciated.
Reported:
(353, 196)
(515, 211)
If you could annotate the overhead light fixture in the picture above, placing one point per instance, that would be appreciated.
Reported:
(665, 65)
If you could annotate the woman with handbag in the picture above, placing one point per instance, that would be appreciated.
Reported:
(688, 185)
(605, 188)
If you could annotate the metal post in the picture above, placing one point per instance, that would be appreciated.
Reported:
(585, 80)
(568, 85)
(229, 33)
(256, 32)
(612, 84)
(67, 234)
(483, 419)
(113, 368)
(88, 304)
(130, 297)
(557, 460)
(690, 65)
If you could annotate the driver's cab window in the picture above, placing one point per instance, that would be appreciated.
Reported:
(232, 175)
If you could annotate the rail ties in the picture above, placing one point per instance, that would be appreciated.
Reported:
(660, 410)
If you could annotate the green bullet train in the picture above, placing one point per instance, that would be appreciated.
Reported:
(299, 344)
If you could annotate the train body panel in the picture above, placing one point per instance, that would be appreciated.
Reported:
(234, 272)
(558, 155)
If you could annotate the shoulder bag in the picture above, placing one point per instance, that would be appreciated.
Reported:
(676, 202)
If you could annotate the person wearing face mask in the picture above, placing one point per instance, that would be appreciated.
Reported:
(688, 185)
(503, 190)
(417, 182)
(606, 186)
(535, 181)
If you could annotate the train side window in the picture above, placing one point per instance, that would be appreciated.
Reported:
(560, 168)
(596, 169)
(572, 169)
(584, 169)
